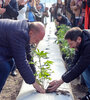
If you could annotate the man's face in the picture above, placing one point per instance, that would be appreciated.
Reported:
(74, 44)
(59, 17)
(35, 38)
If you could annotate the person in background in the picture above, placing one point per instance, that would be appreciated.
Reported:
(11, 9)
(72, 18)
(22, 9)
(29, 13)
(61, 19)
(76, 7)
(2, 9)
(51, 10)
(59, 8)
(40, 8)
(15, 40)
(79, 40)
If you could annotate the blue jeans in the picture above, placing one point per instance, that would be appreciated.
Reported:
(5, 68)
(86, 76)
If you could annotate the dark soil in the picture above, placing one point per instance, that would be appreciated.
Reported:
(78, 90)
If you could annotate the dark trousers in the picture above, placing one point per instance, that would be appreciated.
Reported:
(5, 68)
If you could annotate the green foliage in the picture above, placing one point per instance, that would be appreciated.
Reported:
(44, 71)
(64, 47)
(61, 32)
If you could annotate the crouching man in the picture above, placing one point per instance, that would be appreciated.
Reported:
(80, 41)
(15, 40)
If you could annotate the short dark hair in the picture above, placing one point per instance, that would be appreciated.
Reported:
(73, 33)
(59, 14)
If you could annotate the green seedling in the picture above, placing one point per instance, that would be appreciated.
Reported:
(44, 71)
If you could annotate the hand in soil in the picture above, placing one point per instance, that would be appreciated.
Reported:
(38, 87)
(47, 90)
(54, 85)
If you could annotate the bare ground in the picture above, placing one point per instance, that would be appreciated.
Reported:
(13, 84)
(11, 88)
(78, 90)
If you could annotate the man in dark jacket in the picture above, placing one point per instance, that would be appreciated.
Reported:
(11, 9)
(61, 19)
(15, 40)
(80, 40)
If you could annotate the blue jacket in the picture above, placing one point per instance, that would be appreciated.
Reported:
(14, 42)
(30, 16)
(81, 60)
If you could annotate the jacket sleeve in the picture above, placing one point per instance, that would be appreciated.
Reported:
(12, 10)
(17, 42)
(79, 67)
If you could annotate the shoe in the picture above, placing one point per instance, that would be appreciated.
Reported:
(87, 97)
(13, 73)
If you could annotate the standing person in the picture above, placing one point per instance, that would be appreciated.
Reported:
(72, 18)
(59, 8)
(40, 8)
(80, 40)
(76, 6)
(11, 9)
(2, 9)
(22, 9)
(51, 10)
(30, 15)
(15, 40)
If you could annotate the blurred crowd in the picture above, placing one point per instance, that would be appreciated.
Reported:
(32, 10)
(79, 13)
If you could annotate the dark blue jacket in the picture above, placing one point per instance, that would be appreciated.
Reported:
(81, 60)
(14, 42)
(11, 10)
(64, 20)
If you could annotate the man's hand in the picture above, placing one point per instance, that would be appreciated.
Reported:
(57, 23)
(54, 85)
(38, 87)
(2, 10)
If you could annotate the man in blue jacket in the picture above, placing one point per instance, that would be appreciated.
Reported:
(15, 40)
(80, 40)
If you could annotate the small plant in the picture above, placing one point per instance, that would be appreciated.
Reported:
(44, 71)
